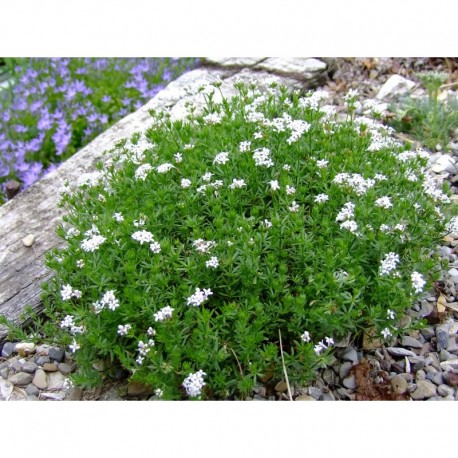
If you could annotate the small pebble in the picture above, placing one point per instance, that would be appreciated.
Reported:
(40, 380)
(32, 390)
(345, 369)
(399, 384)
(349, 382)
(49, 367)
(420, 375)
(425, 389)
(28, 240)
(57, 354)
(445, 390)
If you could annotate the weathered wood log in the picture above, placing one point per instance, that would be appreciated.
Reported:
(35, 211)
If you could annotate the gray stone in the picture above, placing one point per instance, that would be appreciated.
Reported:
(408, 377)
(31, 398)
(234, 61)
(40, 380)
(398, 351)
(408, 341)
(349, 382)
(16, 366)
(4, 372)
(25, 348)
(343, 393)
(441, 339)
(345, 369)
(29, 367)
(444, 163)
(75, 394)
(139, 389)
(64, 368)
(49, 367)
(420, 375)
(315, 392)
(449, 364)
(21, 378)
(303, 397)
(445, 390)
(32, 390)
(40, 360)
(350, 355)
(57, 354)
(425, 389)
(428, 332)
(452, 346)
(55, 381)
(436, 377)
(299, 67)
(395, 86)
(445, 251)
(328, 376)
(6, 389)
(328, 396)
(445, 355)
(399, 384)
(8, 349)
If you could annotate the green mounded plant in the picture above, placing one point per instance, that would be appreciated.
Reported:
(206, 239)
(430, 120)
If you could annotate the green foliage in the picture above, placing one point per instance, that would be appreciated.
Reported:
(429, 120)
(141, 237)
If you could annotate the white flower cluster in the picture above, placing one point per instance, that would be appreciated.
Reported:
(244, 146)
(80, 263)
(267, 224)
(74, 346)
(389, 263)
(418, 282)
(143, 237)
(164, 313)
(72, 232)
(290, 190)
(321, 346)
(108, 301)
(221, 158)
(178, 157)
(213, 118)
(194, 383)
(390, 314)
(294, 208)
(124, 330)
(313, 99)
(212, 262)
(322, 164)
(262, 157)
(237, 184)
(297, 127)
(406, 156)
(354, 181)
(203, 246)
(347, 212)
(92, 243)
(143, 350)
(305, 336)
(68, 322)
(185, 183)
(384, 202)
(351, 226)
(163, 168)
(118, 217)
(321, 198)
(430, 187)
(89, 179)
(67, 292)
(142, 172)
(199, 297)
(274, 186)
(452, 225)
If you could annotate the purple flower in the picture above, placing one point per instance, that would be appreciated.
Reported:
(106, 99)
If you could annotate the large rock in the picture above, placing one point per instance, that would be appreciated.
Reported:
(395, 86)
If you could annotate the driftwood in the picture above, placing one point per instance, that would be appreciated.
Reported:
(35, 211)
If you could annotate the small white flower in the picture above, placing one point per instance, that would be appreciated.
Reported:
(262, 158)
(199, 297)
(389, 263)
(229, 243)
(237, 184)
(320, 198)
(178, 157)
(329, 341)
(118, 217)
(140, 222)
(305, 336)
(390, 314)
(77, 293)
(194, 383)
(257, 135)
(322, 164)
(418, 282)
(185, 183)
(188, 146)
(386, 333)
(244, 146)
(139, 360)
(155, 247)
(221, 158)
(349, 225)
(203, 246)
(102, 198)
(213, 118)
(66, 292)
(212, 262)
(74, 346)
(143, 237)
(384, 202)
(163, 168)
(267, 224)
(294, 207)
(286, 168)
(124, 330)
(159, 393)
(142, 172)
(290, 190)
(92, 243)
(164, 313)
(151, 331)
(274, 186)
(207, 176)
(110, 300)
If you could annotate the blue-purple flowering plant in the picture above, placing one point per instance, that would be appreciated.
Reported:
(260, 218)
(56, 106)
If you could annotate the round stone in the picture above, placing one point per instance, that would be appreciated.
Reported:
(32, 390)
(40, 380)
(445, 390)
(281, 387)
(425, 389)
(49, 367)
(55, 381)
(28, 240)
(21, 378)
(64, 368)
(56, 354)
(345, 369)
(30, 367)
(25, 348)
(8, 349)
(420, 375)
(42, 360)
(305, 397)
(349, 382)
(399, 384)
